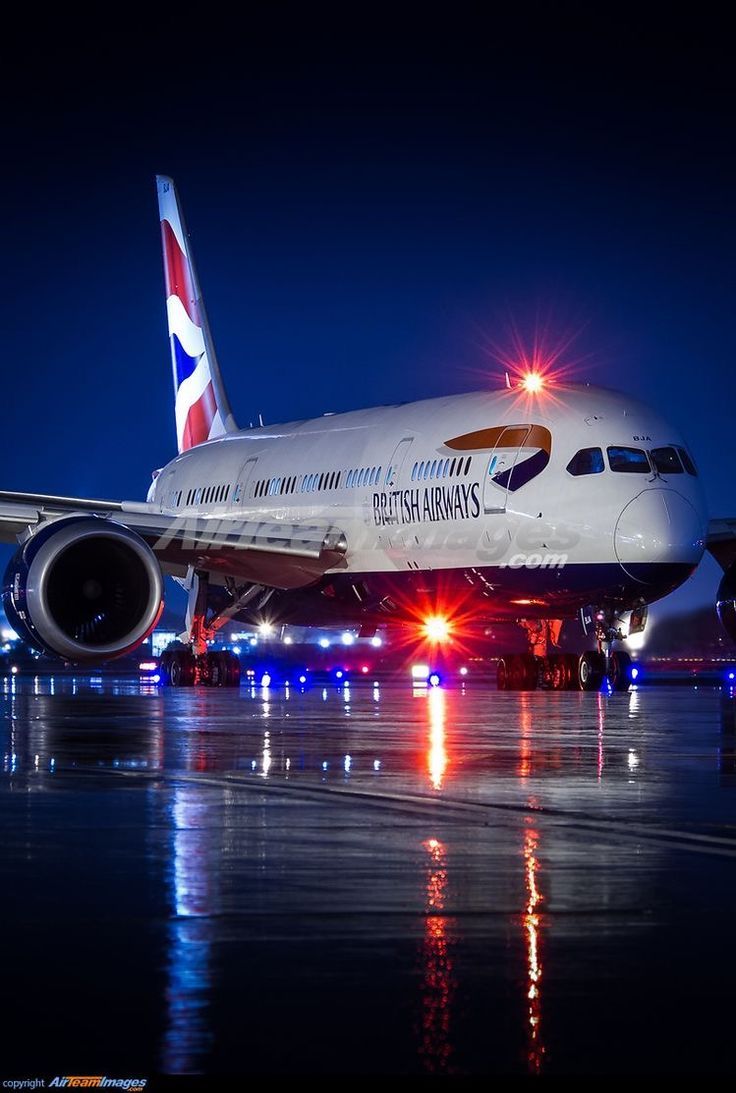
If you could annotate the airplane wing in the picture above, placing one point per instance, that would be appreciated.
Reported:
(721, 540)
(279, 554)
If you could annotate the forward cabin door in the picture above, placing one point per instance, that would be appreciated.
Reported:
(393, 471)
(500, 467)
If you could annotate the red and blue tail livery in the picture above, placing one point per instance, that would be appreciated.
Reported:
(202, 409)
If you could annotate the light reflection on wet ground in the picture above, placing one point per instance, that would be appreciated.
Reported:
(367, 879)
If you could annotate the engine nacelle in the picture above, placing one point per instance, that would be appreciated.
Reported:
(83, 589)
(726, 602)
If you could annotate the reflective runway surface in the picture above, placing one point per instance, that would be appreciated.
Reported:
(366, 880)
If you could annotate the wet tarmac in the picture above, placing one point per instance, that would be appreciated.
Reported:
(366, 880)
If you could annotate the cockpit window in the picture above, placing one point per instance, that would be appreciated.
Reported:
(687, 462)
(666, 460)
(586, 461)
(628, 460)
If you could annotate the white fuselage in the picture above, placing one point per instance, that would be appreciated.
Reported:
(436, 486)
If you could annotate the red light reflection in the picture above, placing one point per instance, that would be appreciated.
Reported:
(437, 750)
(531, 923)
(438, 986)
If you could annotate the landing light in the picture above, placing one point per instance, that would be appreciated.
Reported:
(265, 629)
(434, 679)
(437, 628)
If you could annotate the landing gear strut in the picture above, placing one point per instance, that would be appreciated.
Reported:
(605, 624)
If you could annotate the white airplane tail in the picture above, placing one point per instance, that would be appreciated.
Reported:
(202, 408)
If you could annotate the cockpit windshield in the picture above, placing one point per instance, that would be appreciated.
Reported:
(628, 460)
(586, 461)
(687, 462)
(666, 460)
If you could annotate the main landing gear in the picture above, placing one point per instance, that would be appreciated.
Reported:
(196, 665)
(181, 668)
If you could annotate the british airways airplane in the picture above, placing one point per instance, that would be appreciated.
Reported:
(535, 503)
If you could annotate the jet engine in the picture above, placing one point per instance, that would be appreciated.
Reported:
(726, 601)
(84, 589)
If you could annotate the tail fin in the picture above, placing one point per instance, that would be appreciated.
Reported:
(202, 408)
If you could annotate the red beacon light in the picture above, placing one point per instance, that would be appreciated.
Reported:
(532, 382)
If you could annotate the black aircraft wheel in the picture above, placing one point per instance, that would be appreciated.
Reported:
(591, 667)
(620, 671)
(181, 672)
(571, 671)
(233, 670)
(559, 672)
(222, 670)
(529, 672)
(503, 676)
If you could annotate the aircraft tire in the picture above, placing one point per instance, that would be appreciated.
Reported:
(181, 671)
(620, 667)
(591, 667)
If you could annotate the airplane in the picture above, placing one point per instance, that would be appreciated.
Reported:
(538, 502)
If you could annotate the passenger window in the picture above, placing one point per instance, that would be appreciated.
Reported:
(467, 464)
(687, 461)
(666, 460)
(434, 469)
(628, 460)
(427, 469)
(378, 475)
(586, 461)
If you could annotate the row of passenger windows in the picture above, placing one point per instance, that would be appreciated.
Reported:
(668, 460)
(204, 495)
(325, 480)
(440, 468)
(306, 483)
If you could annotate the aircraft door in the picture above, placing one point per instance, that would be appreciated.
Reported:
(393, 471)
(501, 465)
(241, 486)
(163, 490)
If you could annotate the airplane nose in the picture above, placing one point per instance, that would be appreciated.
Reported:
(658, 527)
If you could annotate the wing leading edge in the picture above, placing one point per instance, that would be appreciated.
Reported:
(279, 554)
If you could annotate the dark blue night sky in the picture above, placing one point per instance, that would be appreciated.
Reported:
(371, 210)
